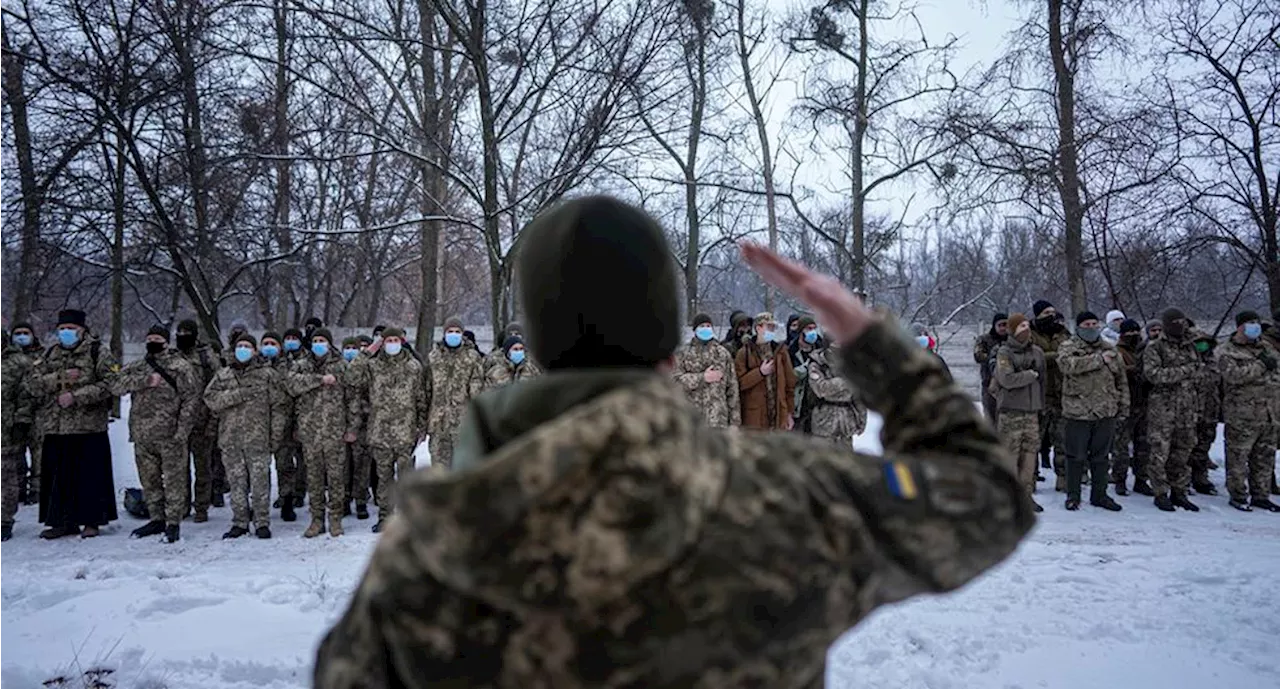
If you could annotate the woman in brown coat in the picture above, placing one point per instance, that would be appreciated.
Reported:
(765, 378)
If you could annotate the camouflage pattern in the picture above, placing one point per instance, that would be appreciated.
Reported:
(1209, 395)
(160, 421)
(1052, 428)
(1251, 406)
(91, 391)
(391, 389)
(838, 413)
(291, 468)
(324, 414)
(249, 474)
(718, 401)
(1172, 366)
(25, 433)
(393, 465)
(248, 401)
(624, 543)
(1124, 437)
(1021, 433)
(15, 413)
(454, 376)
(1094, 385)
(204, 427)
(503, 371)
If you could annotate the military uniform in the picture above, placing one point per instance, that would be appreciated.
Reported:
(837, 412)
(1209, 394)
(15, 412)
(506, 371)
(324, 413)
(291, 472)
(1019, 390)
(248, 400)
(718, 401)
(1052, 427)
(1122, 457)
(26, 434)
(1172, 367)
(204, 428)
(160, 421)
(1251, 407)
(453, 376)
(1095, 393)
(618, 541)
(397, 404)
(984, 353)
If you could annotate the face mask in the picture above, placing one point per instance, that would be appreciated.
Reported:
(1253, 330)
(770, 336)
(516, 356)
(705, 333)
(811, 336)
(1202, 346)
(350, 354)
(922, 340)
(393, 348)
(1130, 340)
(292, 345)
(453, 339)
(23, 340)
(1046, 323)
(155, 347)
(186, 341)
(319, 348)
(1088, 334)
(270, 351)
(1174, 330)
(244, 354)
(68, 337)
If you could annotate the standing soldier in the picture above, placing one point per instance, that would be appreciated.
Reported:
(325, 427)
(1019, 391)
(1250, 370)
(513, 364)
(15, 413)
(497, 355)
(163, 388)
(204, 426)
(705, 370)
(1048, 334)
(833, 409)
(984, 355)
(766, 379)
(739, 332)
(247, 397)
(1171, 365)
(1111, 331)
(1122, 457)
(1095, 393)
(72, 384)
(453, 377)
(1141, 438)
(1209, 395)
(286, 452)
(290, 455)
(390, 382)
(26, 434)
(358, 457)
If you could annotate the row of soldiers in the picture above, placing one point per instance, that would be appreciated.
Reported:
(1115, 398)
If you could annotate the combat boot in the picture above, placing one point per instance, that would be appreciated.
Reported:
(1141, 487)
(171, 533)
(151, 528)
(1036, 506)
(362, 511)
(1121, 488)
(377, 528)
(316, 528)
(346, 509)
(1265, 504)
(201, 517)
(335, 526)
(1204, 488)
(1073, 504)
(1180, 500)
(263, 532)
(235, 532)
(1060, 484)
(286, 510)
(1163, 502)
(6, 532)
(1106, 503)
(1240, 505)
(217, 500)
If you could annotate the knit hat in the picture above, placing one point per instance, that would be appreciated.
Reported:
(378, 329)
(313, 322)
(350, 341)
(699, 319)
(1246, 316)
(806, 321)
(738, 318)
(322, 332)
(1171, 315)
(452, 322)
(1130, 326)
(293, 332)
(1039, 307)
(392, 331)
(511, 341)
(271, 335)
(21, 325)
(239, 326)
(160, 330)
(567, 254)
(71, 317)
(188, 326)
(1085, 316)
(1153, 323)
(997, 318)
(1016, 320)
(1114, 314)
(514, 328)
(244, 337)
(363, 340)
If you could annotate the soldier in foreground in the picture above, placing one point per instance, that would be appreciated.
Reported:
(324, 412)
(597, 533)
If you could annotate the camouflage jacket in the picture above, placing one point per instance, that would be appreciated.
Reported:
(164, 413)
(1209, 389)
(1251, 393)
(454, 376)
(288, 410)
(1049, 344)
(1173, 367)
(836, 410)
(503, 371)
(247, 401)
(984, 355)
(718, 401)
(621, 542)
(323, 413)
(15, 403)
(391, 388)
(1094, 385)
(205, 362)
(91, 391)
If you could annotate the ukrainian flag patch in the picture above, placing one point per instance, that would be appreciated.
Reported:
(902, 484)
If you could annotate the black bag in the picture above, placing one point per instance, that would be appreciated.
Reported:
(134, 504)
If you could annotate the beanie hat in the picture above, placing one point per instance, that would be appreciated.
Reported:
(1085, 316)
(189, 326)
(392, 331)
(1130, 326)
(738, 318)
(350, 342)
(313, 322)
(293, 332)
(699, 319)
(21, 325)
(239, 326)
(1154, 323)
(566, 254)
(1246, 316)
(377, 329)
(453, 322)
(997, 318)
(1115, 314)
(156, 329)
(511, 341)
(1171, 315)
(806, 321)
(1039, 307)
(322, 332)
(271, 335)
(514, 328)
(1016, 320)
(244, 337)
(363, 340)
(71, 317)
(764, 317)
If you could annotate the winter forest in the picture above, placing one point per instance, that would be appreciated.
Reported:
(373, 161)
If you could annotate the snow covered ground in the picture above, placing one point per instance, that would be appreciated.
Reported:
(1092, 599)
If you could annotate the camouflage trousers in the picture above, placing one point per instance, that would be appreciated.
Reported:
(249, 476)
(1052, 439)
(1251, 459)
(1124, 454)
(392, 464)
(441, 446)
(11, 472)
(218, 470)
(326, 472)
(1206, 433)
(201, 493)
(162, 470)
(1172, 438)
(359, 463)
(291, 470)
(989, 405)
(1021, 434)
(1141, 444)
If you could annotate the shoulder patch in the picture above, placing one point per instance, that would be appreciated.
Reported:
(900, 481)
(115, 368)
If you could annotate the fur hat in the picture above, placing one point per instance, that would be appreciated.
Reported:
(71, 317)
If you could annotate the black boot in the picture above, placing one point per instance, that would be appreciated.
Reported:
(171, 533)
(217, 500)
(262, 532)
(1180, 500)
(1073, 504)
(6, 532)
(362, 511)
(1265, 504)
(1204, 488)
(1121, 488)
(346, 509)
(1036, 506)
(235, 532)
(1106, 503)
(276, 505)
(1141, 487)
(286, 510)
(1163, 502)
(298, 501)
(151, 528)
(1240, 505)
(377, 528)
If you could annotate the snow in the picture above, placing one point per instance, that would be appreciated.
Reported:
(1092, 599)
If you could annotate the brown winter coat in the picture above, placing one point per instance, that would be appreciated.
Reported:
(1019, 376)
(753, 390)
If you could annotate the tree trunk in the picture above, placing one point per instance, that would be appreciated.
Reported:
(432, 182)
(766, 152)
(1068, 164)
(489, 142)
(692, 216)
(284, 176)
(858, 225)
(16, 98)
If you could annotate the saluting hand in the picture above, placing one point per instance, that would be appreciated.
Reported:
(841, 313)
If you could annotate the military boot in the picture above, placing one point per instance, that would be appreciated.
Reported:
(1204, 488)
(377, 528)
(1163, 502)
(235, 532)
(1121, 488)
(151, 528)
(1060, 484)
(286, 510)
(201, 517)
(1106, 503)
(262, 532)
(171, 533)
(217, 500)
(1265, 504)
(362, 511)
(316, 528)
(1180, 500)
(6, 532)
(1240, 504)
(1141, 487)
(335, 526)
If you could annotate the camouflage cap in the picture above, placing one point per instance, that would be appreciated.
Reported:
(392, 331)
(765, 317)
(350, 342)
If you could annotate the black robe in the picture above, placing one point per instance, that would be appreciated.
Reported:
(76, 484)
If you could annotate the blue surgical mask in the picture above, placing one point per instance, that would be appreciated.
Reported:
(68, 337)
(270, 351)
(922, 340)
(292, 345)
(244, 354)
(1253, 330)
(22, 340)
(392, 348)
(811, 336)
(705, 333)
(350, 354)
(453, 339)
(319, 348)
(770, 336)
(516, 356)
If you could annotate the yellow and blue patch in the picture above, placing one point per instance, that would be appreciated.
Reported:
(901, 482)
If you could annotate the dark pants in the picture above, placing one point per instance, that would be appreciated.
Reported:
(989, 405)
(1088, 445)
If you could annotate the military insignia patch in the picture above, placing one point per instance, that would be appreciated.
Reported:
(901, 483)
(115, 368)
